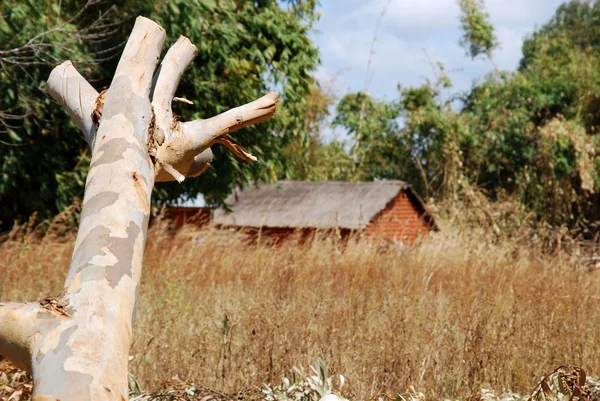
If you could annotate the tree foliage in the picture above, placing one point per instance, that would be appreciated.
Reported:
(317, 159)
(532, 134)
(478, 37)
(575, 23)
(40, 151)
(374, 127)
(245, 48)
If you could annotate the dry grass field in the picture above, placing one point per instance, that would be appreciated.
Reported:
(459, 312)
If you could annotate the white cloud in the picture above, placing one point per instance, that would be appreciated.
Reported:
(519, 12)
(410, 29)
(412, 20)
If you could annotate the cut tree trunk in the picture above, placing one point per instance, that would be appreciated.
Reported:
(77, 345)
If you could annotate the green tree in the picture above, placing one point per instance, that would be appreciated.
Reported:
(316, 159)
(574, 24)
(374, 128)
(40, 151)
(532, 134)
(478, 37)
(405, 139)
(245, 48)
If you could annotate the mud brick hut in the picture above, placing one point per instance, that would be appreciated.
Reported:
(386, 209)
(190, 212)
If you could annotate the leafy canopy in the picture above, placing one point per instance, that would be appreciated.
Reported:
(246, 48)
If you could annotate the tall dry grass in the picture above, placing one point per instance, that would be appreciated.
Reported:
(457, 313)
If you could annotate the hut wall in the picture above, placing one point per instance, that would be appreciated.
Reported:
(399, 221)
(198, 216)
(280, 235)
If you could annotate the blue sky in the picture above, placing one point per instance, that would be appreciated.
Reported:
(413, 35)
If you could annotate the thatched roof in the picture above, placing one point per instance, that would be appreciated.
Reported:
(326, 205)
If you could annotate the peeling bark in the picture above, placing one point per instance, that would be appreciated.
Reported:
(76, 345)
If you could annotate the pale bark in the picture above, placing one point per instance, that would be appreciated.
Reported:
(181, 148)
(76, 95)
(76, 345)
(167, 78)
(17, 329)
(204, 133)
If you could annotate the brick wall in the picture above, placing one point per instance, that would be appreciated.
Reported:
(280, 235)
(399, 221)
(199, 216)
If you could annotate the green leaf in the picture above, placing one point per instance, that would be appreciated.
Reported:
(13, 135)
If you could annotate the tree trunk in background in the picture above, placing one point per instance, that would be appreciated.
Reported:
(77, 345)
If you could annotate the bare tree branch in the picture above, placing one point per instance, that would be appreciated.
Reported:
(38, 50)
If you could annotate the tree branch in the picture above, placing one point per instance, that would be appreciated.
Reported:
(167, 79)
(181, 149)
(173, 153)
(203, 133)
(84, 104)
(183, 155)
(17, 326)
(76, 95)
(201, 163)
